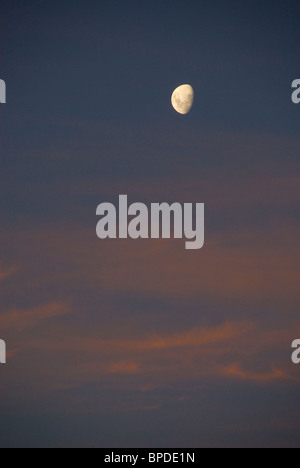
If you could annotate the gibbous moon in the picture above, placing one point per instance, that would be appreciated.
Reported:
(182, 99)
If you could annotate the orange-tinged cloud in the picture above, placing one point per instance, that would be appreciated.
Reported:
(251, 269)
(253, 265)
(17, 319)
(123, 368)
(6, 272)
(235, 371)
(200, 337)
(222, 351)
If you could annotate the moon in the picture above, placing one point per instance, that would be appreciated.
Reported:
(182, 99)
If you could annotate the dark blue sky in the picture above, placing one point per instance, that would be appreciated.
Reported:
(142, 343)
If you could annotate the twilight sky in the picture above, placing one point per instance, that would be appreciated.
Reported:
(142, 343)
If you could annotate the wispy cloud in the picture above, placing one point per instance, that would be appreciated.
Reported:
(235, 371)
(233, 350)
(20, 319)
(6, 272)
